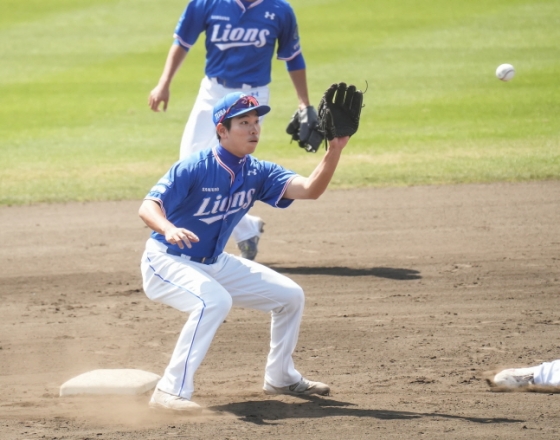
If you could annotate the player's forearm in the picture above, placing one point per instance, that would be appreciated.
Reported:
(312, 187)
(175, 58)
(299, 80)
(322, 175)
(315, 185)
(151, 214)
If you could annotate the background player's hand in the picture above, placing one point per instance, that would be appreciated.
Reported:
(158, 95)
(181, 237)
(304, 128)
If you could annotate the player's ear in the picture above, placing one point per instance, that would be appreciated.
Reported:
(221, 131)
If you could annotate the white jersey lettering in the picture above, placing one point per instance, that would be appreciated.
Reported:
(236, 34)
(251, 35)
(237, 37)
(238, 199)
(250, 194)
(216, 205)
(203, 206)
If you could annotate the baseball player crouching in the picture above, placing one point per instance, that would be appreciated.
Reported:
(192, 211)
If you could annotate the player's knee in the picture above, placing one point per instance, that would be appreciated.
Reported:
(218, 304)
(295, 297)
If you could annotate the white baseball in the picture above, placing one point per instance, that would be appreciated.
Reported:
(505, 72)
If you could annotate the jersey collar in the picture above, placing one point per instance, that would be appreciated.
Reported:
(251, 5)
(230, 162)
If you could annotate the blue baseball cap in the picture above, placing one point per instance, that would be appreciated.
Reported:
(235, 104)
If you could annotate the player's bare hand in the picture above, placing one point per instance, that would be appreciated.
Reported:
(181, 237)
(338, 143)
(158, 95)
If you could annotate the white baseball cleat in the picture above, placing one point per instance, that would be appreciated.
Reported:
(513, 378)
(302, 388)
(162, 400)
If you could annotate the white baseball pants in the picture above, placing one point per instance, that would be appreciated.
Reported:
(200, 134)
(207, 293)
(547, 373)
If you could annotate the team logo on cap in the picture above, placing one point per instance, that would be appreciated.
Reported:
(218, 115)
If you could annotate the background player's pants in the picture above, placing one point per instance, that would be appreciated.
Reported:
(207, 292)
(200, 134)
(200, 131)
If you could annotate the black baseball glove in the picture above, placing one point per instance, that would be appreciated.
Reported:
(339, 110)
(304, 128)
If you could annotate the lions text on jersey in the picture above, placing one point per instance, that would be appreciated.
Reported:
(239, 36)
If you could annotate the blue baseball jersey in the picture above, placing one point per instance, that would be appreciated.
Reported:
(240, 37)
(203, 194)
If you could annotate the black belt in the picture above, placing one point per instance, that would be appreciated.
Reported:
(231, 84)
(203, 260)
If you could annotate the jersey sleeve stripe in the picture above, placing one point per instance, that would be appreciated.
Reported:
(291, 57)
(159, 202)
(281, 196)
(182, 42)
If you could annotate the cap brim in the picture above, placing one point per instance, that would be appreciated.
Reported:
(260, 109)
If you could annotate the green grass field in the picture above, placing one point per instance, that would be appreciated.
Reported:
(75, 76)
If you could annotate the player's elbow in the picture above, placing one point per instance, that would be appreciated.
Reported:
(146, 210)
(306, 189)
(142, 213)
(314, 193)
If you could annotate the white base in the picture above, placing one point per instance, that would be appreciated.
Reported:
(117, 381)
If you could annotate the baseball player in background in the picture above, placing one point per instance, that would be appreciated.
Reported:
(192, 211)
(240, 39)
